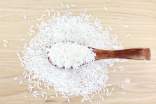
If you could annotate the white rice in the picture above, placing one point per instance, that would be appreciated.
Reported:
(84, 32)
(70, 55)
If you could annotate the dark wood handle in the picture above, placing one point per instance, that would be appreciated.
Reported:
(133, 53)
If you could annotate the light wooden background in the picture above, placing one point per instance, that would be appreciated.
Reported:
(134, 21)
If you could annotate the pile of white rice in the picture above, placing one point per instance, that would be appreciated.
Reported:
(54, 34)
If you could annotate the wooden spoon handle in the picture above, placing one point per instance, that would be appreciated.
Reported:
(133, 53)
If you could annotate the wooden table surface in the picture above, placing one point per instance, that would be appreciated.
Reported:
(134, 21)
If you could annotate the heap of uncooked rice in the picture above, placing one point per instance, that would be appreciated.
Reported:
(89, 78)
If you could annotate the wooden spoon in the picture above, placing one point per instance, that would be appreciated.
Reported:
(133, 53)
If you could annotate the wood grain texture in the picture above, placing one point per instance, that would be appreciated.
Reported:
(134, 21)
